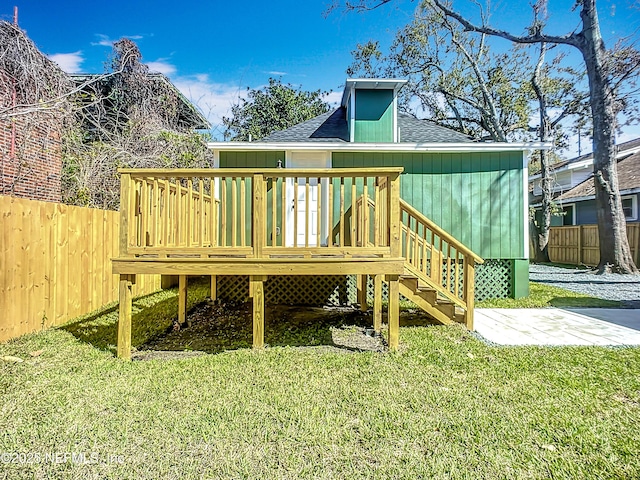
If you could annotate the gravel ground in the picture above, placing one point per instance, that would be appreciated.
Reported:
(610, 286)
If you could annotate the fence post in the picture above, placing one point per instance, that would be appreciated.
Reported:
(580, 245)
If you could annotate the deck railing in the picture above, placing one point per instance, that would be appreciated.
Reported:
(272, 212)
(438, 258)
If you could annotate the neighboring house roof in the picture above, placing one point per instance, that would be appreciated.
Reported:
(190, 116)
(628, 179)
(332, 127)
(623, 150)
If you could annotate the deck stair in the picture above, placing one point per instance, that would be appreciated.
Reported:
(426, 297)
(438, 271)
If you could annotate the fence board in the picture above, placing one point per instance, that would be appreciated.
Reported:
(56, 264)
(580, 244)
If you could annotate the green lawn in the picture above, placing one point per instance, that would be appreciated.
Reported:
(446, 406)
(542, 295)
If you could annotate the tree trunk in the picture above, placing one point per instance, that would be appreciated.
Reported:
(615, 254)
(542, 242)
(542, 252)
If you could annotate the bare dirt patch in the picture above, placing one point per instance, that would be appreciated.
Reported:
(219, 326)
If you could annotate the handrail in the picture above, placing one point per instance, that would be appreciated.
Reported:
(266, 172)
(442, 233)
(449, 268)
(427, 262)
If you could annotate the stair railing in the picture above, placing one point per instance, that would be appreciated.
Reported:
(438, 259)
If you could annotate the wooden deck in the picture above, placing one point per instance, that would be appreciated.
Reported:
(287, 222)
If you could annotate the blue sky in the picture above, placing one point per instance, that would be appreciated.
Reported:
(213, 50)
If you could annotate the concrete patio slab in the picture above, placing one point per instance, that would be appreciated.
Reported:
(555, 326)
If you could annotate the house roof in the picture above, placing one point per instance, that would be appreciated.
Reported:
(332, 127)
(624, 149)
(190, 116)
(628, 179)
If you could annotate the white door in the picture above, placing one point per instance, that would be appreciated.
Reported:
(317, 194)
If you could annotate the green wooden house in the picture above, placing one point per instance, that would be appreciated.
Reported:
(476, 191)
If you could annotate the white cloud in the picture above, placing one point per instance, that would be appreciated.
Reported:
(276, 73)
(162, 66)
(333, 99)
(213, 99)
(105, 41)
(69, 62)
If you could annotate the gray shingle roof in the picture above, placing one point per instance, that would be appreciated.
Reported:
(332, 127)
(628, 179)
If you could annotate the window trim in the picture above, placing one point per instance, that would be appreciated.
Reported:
(573, 212)
(634, 207)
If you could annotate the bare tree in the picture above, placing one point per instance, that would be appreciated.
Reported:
(124, 117)
(129, 118)
(460, 82)
(615, 254)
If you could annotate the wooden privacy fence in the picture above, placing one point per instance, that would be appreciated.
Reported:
(55, 264)
(580, 245)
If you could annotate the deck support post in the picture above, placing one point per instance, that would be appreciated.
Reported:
(182, 300)
(124, 316)
(377, 303)
(256, 291)
(394, 311)
(361, 285)
(214, 287)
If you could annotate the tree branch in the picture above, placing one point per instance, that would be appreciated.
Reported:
(570, 39)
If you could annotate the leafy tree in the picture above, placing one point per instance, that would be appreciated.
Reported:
(615, 254)
(275, 107)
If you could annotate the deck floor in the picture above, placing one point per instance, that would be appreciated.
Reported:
(555, 326)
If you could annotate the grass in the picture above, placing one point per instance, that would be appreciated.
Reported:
(445, 406)
(152, 316)
(542, 295)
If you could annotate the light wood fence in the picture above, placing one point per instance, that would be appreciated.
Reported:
(55, 264)
(580, 245)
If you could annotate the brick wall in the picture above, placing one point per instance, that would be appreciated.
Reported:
(32, 167)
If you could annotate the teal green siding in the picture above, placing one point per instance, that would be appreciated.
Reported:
(373, 116)
(250, 159)
(477, 197)
(520, 278)
(253, 161)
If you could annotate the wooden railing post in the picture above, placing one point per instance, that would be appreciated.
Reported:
(469, 291)
(125, 208)
(259, 215)
(393, 196)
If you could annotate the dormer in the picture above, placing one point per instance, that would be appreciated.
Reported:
(371, 106)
